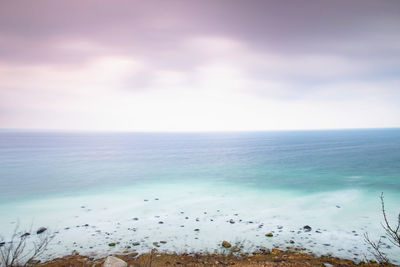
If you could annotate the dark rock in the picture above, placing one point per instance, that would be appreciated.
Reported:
(135, 243)
(291, 242)
(112, 244)
(145, 200)
(163, 242)
(25, 235)
(135, 219)
(269, 235)
(160, 222)
(197, 230)
(156, 244)
(307, 228)
(337, 206)
(2, 244)
(156, 199)
(231, 221)
(41, 230)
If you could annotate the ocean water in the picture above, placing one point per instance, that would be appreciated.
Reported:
(90, 189)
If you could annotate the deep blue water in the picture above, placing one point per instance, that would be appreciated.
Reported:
(35, 164)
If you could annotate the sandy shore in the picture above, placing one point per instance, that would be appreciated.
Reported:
(274, 257)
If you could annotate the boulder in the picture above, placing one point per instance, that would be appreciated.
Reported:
(41, 230)
(112, 261)
(307, 228)
(226, 244)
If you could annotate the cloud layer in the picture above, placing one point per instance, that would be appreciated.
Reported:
(199, 65)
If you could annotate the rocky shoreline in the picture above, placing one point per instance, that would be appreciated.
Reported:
(261, 257)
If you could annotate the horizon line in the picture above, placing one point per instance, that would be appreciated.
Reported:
(189, 131)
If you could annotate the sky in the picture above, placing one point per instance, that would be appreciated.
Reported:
(209, 65)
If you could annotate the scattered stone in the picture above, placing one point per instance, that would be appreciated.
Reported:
(112, 261)
(182, 226)
(2, 244)
(135, 243)
(135, 219)
(82, 207)
(235, 249)
(307, 228)
(156, 199)
(86, 225)
(163, 242)
(269, 235)
(112, 244)
(197, 230)
(291, 242)
(160, 222)
(146, 200)
(265, 250)
(41, 230)
(226, 244)
(279, 227)
(337, 206)
(197, 219)
(156, 244)
(186, 218)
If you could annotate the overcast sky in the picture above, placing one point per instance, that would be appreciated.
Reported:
(199, 65)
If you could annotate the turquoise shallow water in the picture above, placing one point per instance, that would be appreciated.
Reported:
(330, 179)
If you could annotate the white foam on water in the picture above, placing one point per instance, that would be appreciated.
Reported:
(338, 219)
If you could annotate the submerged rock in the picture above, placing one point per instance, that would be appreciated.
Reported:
(226, 244)
(135, 243)
(2, 244)
(269, 235)
(41, 230)
(231, 221)
(307, 228)
(112, 261)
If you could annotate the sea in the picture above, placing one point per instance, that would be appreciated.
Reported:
(195, 190)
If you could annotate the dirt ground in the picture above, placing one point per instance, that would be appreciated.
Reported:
(266, 258)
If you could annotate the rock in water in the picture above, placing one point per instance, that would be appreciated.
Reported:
(226, 244)
(307, 228)
(41, 230)
(114, 262)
